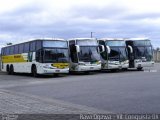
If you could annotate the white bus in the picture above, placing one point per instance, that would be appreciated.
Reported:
(115, 55)
(38, 56)
(84, 55)
(140, 53)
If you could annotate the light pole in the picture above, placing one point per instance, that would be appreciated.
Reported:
(92, 34)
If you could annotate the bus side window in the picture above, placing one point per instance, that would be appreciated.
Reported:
(21, 48)
(33, 46)
(38, 45)
(7, 50)
(73, 52)
(16, 49)
(2, 51)
(39, 55)
(38, 49)
(26, 47)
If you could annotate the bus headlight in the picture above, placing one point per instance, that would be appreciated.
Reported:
(99, 62)
(138, 61)
(126, 62)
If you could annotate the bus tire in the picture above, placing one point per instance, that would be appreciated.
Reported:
(34, 71)
(140, 69)
(124, 69)
(11, 70)
(7, 69)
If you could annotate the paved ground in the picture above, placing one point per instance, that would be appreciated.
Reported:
(122, 92)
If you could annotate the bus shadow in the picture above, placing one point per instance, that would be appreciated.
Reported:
(120, 71)
(40, 76)
(110, 71)
(83, 73)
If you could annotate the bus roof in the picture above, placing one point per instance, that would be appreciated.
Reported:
(50, 39)
(81, 39)
(35, 39)
(136, 39)
(108, 39)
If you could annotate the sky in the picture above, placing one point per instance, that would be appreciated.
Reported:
(21, 20)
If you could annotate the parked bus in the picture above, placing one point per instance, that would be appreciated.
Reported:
(115, 55)
(140, 53)
(38, 56)
(84, 55)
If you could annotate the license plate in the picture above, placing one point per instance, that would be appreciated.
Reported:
(120, 67)
(139, 65)
(91, 68)
(57, 70)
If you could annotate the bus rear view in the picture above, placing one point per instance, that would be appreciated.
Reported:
(140, 53)
(84, 55)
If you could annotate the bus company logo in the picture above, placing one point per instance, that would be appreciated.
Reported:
(17, 56)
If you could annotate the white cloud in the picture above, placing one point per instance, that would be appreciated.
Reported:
(23, 19)
(9, 5)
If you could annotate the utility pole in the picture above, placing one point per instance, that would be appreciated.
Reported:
(92, 34)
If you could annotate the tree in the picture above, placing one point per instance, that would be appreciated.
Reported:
(9, 43)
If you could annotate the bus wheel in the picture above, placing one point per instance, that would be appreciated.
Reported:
(34, 71)
(11, 70)
(124, 69)
(8, 70)
(139, 69)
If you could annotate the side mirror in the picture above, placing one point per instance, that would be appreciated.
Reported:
(77, 48)
(108, 49)
(131, 49)
(101, 48)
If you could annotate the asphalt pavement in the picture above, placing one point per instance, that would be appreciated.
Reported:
(119, 92)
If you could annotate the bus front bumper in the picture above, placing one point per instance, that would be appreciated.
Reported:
(125, 65)
(88, 67)
(144, 64)
(109, 66)
(118, 66)
(115, 66)
(52, 71)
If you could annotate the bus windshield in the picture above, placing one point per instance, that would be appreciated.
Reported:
(56, 55)
(114, 54)
(118, 54)
(118, 50)
(142, 43)
(89, 54)
(143, 52)
(123, 54)
(55, 44)
(87, 42)
(115, 43)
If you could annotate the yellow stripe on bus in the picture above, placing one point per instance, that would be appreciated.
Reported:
(60, 65)
(13, 58)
